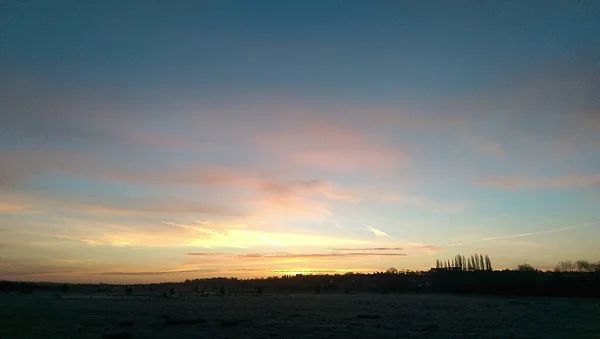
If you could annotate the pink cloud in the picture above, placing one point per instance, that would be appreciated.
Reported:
(12, 208)
(138, 206)
(318, 143)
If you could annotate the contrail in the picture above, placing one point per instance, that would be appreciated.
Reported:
(525, 234)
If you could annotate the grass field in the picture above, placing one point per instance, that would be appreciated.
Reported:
(298, 316)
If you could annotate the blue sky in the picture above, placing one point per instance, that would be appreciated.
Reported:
(148, 141)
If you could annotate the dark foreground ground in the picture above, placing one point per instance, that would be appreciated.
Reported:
(297, 316)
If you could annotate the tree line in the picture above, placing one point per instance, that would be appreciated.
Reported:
(462, 275)
(476, 262)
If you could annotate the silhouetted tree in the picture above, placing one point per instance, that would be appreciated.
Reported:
(488, 263)
(475, 262)
(391, 270)
(584, 266)
(526, 268)
(566, 266)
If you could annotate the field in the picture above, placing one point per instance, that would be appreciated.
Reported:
(297, 316)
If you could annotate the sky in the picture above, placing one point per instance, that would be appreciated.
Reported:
(147, 141)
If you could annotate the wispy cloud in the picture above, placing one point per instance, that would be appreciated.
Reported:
(252, 238)
(272, 242)
(378, 233)
(166, 272)
(284, 255)
(198, 228)
(12, 208)
(425, 248)
(370, 249)
(92, 241)
(562, 229)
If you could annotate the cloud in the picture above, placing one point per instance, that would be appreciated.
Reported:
(267, 183)
(551, 109)
(92, 241)
(149, 234)
(167, 272)
(370, 249)
(425, 248)
(234, 271)
(12, 208)
(377, 232)
(408, 246)
(272, 242)
(200, 227)
(310, 270)
(209, 254)
(522, 182)
(135, 206)
(284, 255)
(47, 111)
(320, 144)
(100, 234)
(562, 229)
(425, 203)
(247, 238)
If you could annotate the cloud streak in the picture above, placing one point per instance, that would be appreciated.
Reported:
(528, 234)
(272, 242)
(308, 256)
(370, 249)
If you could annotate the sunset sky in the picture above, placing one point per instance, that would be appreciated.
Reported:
(160, 141)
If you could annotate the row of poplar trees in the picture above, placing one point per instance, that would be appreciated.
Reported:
(476, 262)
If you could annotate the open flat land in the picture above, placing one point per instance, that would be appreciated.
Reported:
(298, 316)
